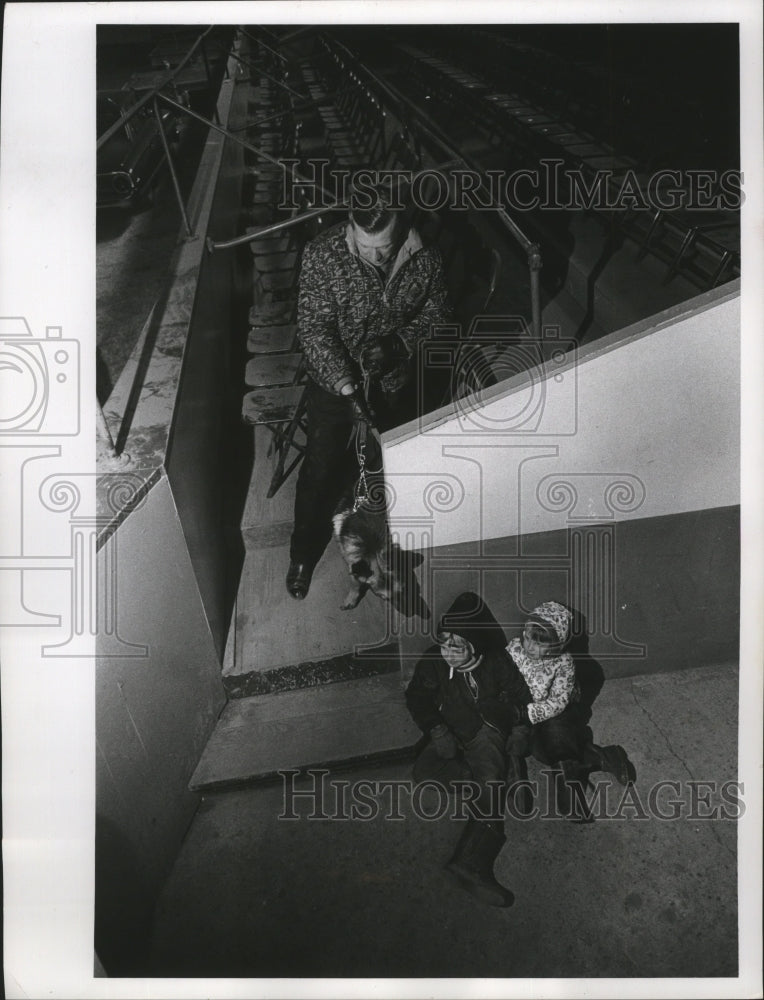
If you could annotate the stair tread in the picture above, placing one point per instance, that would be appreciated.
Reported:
(271, 339)
(272, 370)
(257, 737)
(271, 404)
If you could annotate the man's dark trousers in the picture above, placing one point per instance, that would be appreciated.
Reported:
(329, 466)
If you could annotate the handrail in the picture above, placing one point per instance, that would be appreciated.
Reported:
(279, 83)
(274, 227)
(259, 41)
(241, 142)
(131, 112)
(428, 127)
(305, 104)
(156, 92)
(290, 36)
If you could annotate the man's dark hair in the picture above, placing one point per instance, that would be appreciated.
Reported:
(374, 207)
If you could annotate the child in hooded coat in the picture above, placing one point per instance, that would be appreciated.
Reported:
(465, 694)
(552, 726)
(485, 706)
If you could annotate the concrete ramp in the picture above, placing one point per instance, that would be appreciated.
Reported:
(330, 724)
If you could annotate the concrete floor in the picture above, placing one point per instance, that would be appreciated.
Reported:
(631, 895)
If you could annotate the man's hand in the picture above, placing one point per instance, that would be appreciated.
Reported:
(444, 742)
(361, 409)
(380, 358)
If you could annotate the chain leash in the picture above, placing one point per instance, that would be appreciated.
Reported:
(361, 492)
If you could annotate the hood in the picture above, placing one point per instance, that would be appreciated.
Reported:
(470, 617)
(554, 614)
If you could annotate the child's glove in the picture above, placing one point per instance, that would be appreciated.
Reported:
(519, 740)
(520, 715)
(481, 739)
(444, 741)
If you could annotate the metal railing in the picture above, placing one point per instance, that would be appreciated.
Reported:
(155, 95)
(415, 120)
(126, 115)
(295, 220)
(130, 113)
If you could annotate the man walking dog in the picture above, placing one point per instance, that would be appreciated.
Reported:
(370, 292)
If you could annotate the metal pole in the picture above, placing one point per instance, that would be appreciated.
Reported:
(113, 129)
(306, 105)
(103, 430)
(245, 145)
(427, 127)
(288, 39)
(206, 62)
(534, 265)
(275, 227)
(258, 41)
(208, 71)
(273, 79)
(175, 183)
(288, 223)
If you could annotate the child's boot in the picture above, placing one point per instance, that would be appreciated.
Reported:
(472, 863)
(612, 760)
(570, 791)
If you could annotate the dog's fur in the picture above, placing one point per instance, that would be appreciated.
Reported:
(375, 562)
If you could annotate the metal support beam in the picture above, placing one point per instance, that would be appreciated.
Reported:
(245, 145)
(279, 83)
(259, 41)
(171, 165)
(534, 266)
(117, 126)
(306, 105)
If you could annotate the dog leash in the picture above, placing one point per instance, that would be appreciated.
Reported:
(361, 491)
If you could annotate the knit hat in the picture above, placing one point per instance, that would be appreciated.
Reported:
(470, 617)
(554, 614)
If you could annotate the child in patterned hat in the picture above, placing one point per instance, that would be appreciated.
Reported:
(553, 725)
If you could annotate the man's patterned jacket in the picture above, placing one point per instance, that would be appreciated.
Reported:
(344, 305)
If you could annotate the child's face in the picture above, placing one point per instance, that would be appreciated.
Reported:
(454, 650)
(540, 641)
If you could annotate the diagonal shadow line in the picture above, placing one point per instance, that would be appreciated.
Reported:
(144, 360)
(613, 242)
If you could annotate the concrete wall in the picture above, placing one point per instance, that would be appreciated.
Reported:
(175, 556)
(154, 713)
(208, 443)
(609, 482)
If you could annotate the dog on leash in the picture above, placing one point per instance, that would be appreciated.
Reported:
(375, 562)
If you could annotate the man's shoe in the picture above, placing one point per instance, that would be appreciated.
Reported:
(298, 579)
